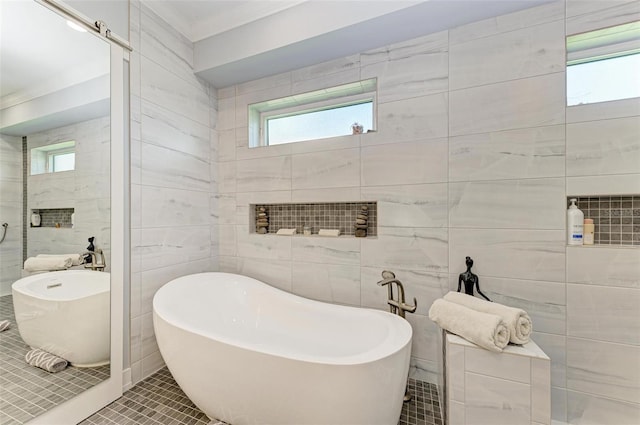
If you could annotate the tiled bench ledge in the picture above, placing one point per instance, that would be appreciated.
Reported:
(512, 387)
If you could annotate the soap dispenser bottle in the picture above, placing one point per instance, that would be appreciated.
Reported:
(575, 224)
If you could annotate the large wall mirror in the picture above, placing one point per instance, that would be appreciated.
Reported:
(61, 138)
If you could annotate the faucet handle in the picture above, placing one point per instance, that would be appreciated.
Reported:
(386, 274)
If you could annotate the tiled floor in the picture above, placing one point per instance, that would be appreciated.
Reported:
(27, 391)
(159, 401)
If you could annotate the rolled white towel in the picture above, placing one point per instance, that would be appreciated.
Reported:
(76, 259)
(38, 264)
(47, 361)
(485, 330)
(518, 321)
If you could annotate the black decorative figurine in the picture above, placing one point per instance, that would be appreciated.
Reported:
(87, 258)
(470, 279)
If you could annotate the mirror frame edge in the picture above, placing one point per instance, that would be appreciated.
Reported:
(90, 401)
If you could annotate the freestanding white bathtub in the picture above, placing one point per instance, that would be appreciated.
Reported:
(65, 313)
(247, 353)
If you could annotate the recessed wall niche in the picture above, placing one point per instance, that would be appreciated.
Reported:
(326, 215)
(54, 217)
(616, 218)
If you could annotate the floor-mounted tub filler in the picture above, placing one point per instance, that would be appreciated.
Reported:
(247, 353)
(65, 313)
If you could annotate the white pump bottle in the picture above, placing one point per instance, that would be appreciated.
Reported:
(575, 224)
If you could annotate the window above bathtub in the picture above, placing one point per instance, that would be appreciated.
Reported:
(604, 65)
(53, 158)
(335, 111)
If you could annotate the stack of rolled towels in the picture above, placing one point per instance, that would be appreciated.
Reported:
(487, 324)
(48, 262)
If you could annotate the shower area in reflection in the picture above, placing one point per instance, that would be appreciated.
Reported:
(55, 148)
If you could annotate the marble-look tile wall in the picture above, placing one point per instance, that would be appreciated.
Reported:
(10, 211)
(474, 155)
(86, 190)
(172, 174)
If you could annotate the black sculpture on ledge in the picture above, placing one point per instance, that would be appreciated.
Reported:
(470, 279)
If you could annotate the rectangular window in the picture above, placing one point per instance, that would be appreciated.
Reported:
(604, 65)
(53, 158)
(331, 112)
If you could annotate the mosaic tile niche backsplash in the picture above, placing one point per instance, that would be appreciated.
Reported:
(333, 215)
(616, 218)
(55, 217)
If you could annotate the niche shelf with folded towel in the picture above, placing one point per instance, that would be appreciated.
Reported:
(60, 218)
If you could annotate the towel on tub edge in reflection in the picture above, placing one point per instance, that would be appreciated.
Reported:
(483, 329)
(39, 264)
(4, 325)
(47, 361)
(76, 259)
(517, 320)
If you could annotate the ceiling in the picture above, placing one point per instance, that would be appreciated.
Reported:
(237, 41)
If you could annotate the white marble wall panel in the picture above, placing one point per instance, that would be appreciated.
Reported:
(426, 287)
(226, 145)
(171, 207)
(228, 240)
(603, 313)
(607, 15)
(226, 209)
(421, 74)
(497, 365)
(326, 169)
(166, 46)
(276, 273)
(527, 52)
(455, 372)
(423, 117)
(323, 81)
(245, 152)
(422, 161)
(174, 245)
(514, 253)
(336, 194)
(263, 174)
(173, 169)
(172, 130)
(425, 370)
(226, 114)
(228, 264)
(544, 301)
(335, 283)
(522, 153)
(456, 413)
(590, 409)
(603, 110)
(262, 246)
(420, 205)
(503, 204)
(330, 143)
(605, 369)
(540, 395)
(426, 334)
(345, 250)
(326, 68)
(282, 79)
(605, 266)
(415, 46)
(523, 103)
(166, 89)
(245, 199)
(486, 401)
(603, 147)
(554, 346)
(552, 11)
(610, 185)
(418, 249)
(226, 177)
